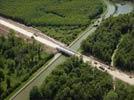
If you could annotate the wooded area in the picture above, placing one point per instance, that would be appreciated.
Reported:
(18, 61)
(108, 36)
(123, 0)
(124, 57)
(75, 80)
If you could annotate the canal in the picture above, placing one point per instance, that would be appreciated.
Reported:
(23, 94)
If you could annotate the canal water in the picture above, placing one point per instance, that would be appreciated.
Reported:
(124, 8)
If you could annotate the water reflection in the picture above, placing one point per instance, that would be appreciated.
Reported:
(123, 8)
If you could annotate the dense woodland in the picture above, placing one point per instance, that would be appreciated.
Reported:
(111, 35)
(60, 19)
(122, 92)
(18, 60)
(123, 0)
(124, 57)
(75, 80)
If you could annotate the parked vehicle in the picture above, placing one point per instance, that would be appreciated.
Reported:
(102, 68)
(35, 34)
(95, 63)
(123, 3)
(130, 77)
(95, 25)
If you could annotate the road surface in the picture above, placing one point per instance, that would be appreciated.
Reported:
(28, 34)
(113, 72)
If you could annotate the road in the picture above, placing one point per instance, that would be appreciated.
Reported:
(28, 34)
(22, 94)
(113, 72)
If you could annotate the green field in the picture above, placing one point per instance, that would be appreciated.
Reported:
(60, 19)
(18, 61)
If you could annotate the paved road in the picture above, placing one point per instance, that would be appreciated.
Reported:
(110, 9)
(28, 34)
(115, 73)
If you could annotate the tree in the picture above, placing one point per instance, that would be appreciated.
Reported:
(111, 96)
(8, 82)
(77, 81)
(35, 94)
(1, 90)
(1, 76)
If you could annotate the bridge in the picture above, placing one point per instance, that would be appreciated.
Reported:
(62, 48)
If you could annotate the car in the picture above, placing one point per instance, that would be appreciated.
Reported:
(95, 25)
(95, 63)
(35, 34)
(123, 3)
(112, 68)
(102, 68)
(130, 77)
(109, 67)
(32, 37)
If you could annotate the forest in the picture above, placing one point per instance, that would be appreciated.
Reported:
(113, 34)
(124, 57)
(123, 0)
(18, 61)
(60, 19)
(76, 80)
